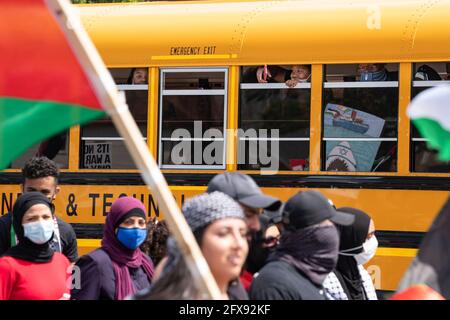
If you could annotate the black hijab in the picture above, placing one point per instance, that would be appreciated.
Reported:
(347, 268)
(26, 249)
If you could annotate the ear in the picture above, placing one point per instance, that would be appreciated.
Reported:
(57, 190)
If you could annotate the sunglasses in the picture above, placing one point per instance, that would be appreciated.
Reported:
(271, 240)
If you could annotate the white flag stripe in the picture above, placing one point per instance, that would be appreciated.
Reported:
(433, 104)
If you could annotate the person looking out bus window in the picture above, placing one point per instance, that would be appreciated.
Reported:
(307, 252)
(375, 72)
(358, 244)
(138, 76)
(32, 270)
(118, 268)
(218, 225)
(41, 174)
(299, 73)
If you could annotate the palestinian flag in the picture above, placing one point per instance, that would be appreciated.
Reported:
(430, 113)
(43, 87)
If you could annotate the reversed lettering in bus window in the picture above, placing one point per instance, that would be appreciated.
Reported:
(101, 145)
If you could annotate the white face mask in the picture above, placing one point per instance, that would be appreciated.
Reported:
(39, 232)
(369, 249)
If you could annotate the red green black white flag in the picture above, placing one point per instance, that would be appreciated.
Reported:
(44, 89)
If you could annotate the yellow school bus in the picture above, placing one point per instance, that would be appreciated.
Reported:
(214, 97)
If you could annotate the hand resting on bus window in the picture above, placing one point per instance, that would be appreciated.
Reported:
(299, 73)
(271, 74)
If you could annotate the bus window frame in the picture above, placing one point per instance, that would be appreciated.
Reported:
(358, 84)
(422, 84)
(194, 92)
(271, 86)
(121, 88)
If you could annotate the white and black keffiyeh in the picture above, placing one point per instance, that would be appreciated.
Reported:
(334, 291)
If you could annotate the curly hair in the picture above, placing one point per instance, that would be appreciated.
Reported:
(155, 244)
(40, 167)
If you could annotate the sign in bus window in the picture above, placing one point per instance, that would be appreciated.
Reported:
(274, 117)
(101, 145)
(425, 76)
(193, 118)
(360, 115)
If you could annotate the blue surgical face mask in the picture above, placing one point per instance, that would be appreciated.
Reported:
(374, 76)
(131, 238)
(39, 232)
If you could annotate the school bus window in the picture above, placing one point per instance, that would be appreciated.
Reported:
(192, 118)
(274, 98)
(101, 145)
(360, 114)
(425, 76)
(55, 148)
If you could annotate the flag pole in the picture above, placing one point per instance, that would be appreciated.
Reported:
(117, 109)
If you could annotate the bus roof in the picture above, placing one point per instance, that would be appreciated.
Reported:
(269, 32)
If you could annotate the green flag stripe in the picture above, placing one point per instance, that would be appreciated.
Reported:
(438, 137)
(24, 123)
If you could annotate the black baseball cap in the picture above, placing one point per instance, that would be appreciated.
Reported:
(311, 207)
(243, 189)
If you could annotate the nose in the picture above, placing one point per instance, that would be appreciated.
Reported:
(136, 225)
(239, 241)
(253, 223)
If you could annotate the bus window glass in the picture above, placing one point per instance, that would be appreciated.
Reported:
(274, 117)
(360, 114)
(55, 148)
(425, 76)
(194, 80)
(192, 118)
(101, 145)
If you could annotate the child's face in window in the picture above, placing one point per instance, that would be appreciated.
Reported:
(370, 67)
(300, 73)
(140, 76)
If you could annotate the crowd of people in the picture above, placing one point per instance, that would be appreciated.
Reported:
(256, 247)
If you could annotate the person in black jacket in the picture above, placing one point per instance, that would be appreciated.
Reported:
(41, 174)
(307, 253)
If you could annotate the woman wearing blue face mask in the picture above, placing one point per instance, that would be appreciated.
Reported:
(358, 244)
(119, 268)
(31, 270)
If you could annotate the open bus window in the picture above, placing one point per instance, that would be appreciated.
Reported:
(101, 145)
(193, 118)
(274, 117)
(360, 115)
(55, 148)
(425, 76)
